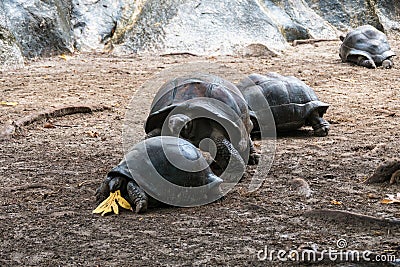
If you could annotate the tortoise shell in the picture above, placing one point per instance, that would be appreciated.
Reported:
(158, 161)
(368, 42)
(291, 101)
(202, 94)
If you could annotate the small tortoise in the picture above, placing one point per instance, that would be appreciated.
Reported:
(292, 103)
(143, 177)
(367, 47)
(203, 107)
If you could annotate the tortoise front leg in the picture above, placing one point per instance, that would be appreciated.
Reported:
(130, 190)
(228, 159)
(319, 124)
(254, 157)
(137, 197)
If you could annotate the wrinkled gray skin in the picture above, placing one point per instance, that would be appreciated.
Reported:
(319, 124)
(126, 177)
(366, 47)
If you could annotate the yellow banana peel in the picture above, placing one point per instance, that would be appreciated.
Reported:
(111, 203)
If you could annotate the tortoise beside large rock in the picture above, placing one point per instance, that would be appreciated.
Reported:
(292, 102)
(366, 46)
(145, 175)
(205, 107)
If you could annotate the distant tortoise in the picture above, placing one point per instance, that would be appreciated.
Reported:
(139, 178)
(292, 102)
(367, 47)
(201, 107)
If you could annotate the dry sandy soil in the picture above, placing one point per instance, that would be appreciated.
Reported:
(49, 175)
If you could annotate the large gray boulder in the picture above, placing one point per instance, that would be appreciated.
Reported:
(227, 26)
(95, 22)
(208, 27)
(40, 27)
(382, 14)
(297, 20)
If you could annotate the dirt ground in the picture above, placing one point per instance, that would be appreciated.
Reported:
(49, 175)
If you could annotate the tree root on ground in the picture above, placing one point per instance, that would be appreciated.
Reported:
(350, 218)
(312, 41)
(9, 130)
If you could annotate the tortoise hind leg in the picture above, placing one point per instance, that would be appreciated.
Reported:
(319, 124)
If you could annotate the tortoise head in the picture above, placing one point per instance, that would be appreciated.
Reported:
(180, 124)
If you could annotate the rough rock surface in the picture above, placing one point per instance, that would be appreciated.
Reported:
(40, 27)
(10, 53)
(94, 22)
(382, 14)
(204, 27)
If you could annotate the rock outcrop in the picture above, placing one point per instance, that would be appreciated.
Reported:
(201, 27)
(40, 28)
(10, 53)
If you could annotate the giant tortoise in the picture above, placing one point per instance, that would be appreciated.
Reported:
(366, 46)
(143, 178)
(292, 102)
(203, 107)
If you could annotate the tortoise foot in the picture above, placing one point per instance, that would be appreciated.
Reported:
(137, 197)
(254, 157)
(387, 64)
(323, 131)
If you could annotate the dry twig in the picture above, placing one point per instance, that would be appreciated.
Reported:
(311, 41)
